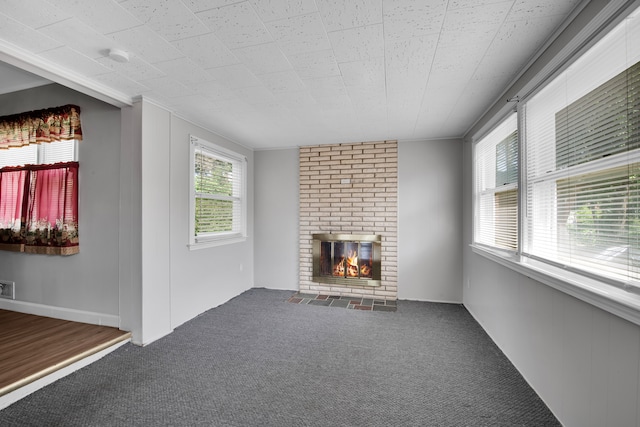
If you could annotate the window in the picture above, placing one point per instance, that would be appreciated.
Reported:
(218, 195)
(39, 181)
(496, 187)
(578, 207)
(583, 163)
(40, 154)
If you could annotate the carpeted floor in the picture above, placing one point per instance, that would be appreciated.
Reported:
(259, 360)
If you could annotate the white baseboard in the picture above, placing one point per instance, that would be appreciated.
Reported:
(61, 313)
(22, 392)
(439, 301)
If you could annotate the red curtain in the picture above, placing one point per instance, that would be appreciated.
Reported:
(11, 204)
(39, 208)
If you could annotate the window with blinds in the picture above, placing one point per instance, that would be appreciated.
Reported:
(218, 200)
(583, 162)
(40, 154)
(496, 187)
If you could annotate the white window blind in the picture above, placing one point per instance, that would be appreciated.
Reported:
(19, 156)
(59, 151)
(583, 161)
(218, 202)
(496, 186)
(40, 154)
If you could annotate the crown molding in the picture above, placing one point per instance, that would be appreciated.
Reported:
(34, 64)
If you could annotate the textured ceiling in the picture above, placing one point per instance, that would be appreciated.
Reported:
(283, 73)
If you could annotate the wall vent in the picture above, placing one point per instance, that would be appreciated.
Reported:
(7, 289)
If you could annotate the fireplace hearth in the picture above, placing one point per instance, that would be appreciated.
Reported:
(347, 259)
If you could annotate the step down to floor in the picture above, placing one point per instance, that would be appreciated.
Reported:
(17, 390)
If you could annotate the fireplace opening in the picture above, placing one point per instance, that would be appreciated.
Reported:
(348, 259)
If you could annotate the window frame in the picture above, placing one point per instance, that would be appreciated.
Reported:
(220, 238)
(622, 300)
(497, 188)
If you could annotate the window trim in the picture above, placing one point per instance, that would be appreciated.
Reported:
(220, 239)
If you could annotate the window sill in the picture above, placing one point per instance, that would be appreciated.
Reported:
(614, 300)
(213, 242)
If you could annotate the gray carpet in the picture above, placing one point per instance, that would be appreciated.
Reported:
(260, 361)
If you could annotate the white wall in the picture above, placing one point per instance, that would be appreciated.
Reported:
(134, 269)
(276, 222)
(85, 284)
(430, 206)
(582, 361)
(130, 214)
(156, 266)
(430, 215)
(203, 278)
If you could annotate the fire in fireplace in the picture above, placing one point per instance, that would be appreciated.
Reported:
(347, 259)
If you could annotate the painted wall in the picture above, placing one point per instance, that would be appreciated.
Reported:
(130, 214)
(203, 278)
(276, 221)
(155, 309)
(582, 361)
(430, 238)
(163, 283)
(430, 214)
(88, 281)
(134, 269)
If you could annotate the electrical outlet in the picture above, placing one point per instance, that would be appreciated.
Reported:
(7, 289)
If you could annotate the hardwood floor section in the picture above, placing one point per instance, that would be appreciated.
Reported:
(34, 346)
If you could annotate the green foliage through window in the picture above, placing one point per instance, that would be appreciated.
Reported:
(604, 122)
(601, 209)
(507, 160)
(213, 176)
(217, 194)
(213, 216)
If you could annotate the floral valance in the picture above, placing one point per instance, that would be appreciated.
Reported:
(34, 127)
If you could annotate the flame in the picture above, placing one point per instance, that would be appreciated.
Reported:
(352, 264)
(365, 270)
(338, 269)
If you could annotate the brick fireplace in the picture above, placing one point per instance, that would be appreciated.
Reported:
(352, 190)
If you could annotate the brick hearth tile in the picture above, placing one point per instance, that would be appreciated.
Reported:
(366, 301)
(295, 300)
(322, 297)
(319, 302)
(362, 307)
(355, 301)
(307, 296)
(339, 303)
(391, 303)
(378, 302)
(334, 297)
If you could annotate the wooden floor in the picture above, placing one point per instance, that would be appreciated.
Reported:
(32, 347)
